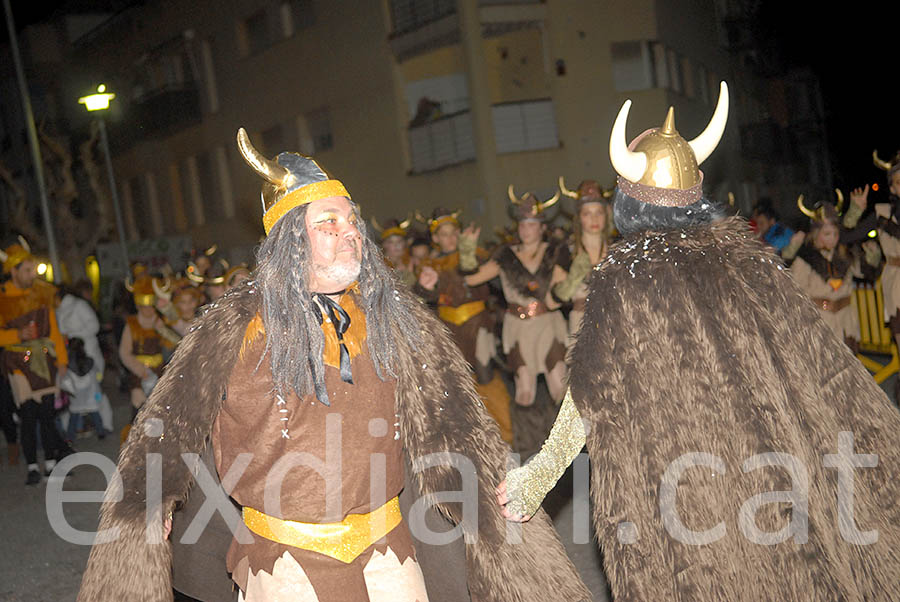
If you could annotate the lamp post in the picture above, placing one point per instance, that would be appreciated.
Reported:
(100, 102)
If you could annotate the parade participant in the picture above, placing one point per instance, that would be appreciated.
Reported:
(393, 245)
(214, 285)
(187, 298)
(77, 319)
(534, 333)
(768, 227)
(144, 339)
(201, 262)
(593, 231)
(236, 275)
(33, 355)
(710, 370)
(419, 249)
(464, 310)
(824, 269)
(320, 341)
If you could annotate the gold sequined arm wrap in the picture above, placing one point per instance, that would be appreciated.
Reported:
(468, 260)
(578, 271)
(851, 217)
(527, 485)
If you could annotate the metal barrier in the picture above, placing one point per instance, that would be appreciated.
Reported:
(874, 335)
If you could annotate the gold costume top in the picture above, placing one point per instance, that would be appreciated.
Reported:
(527, 485)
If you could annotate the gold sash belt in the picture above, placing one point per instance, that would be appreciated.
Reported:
(462, 313)
(151, 361)
(342, 541)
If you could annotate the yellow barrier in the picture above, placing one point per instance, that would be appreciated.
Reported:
(874, 335)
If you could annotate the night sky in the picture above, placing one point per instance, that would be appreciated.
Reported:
(851, 49)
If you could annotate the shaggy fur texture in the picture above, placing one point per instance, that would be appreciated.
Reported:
(439, 412)
(556, 253)
(697, 340)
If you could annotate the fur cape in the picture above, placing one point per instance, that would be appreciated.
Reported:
(697, 340)
(438, 409)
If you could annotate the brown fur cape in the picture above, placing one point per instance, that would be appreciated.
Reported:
(439, 412)
(697, 340)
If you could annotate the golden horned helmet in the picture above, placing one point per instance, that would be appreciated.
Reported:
(822, 211)
(15, 254)
(439, 217)
(661, 159)
(589, 191)
(392, 227)
(146, 289)
(889, 166)
(528, 206)
(291, 180)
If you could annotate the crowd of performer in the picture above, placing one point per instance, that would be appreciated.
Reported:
(512, 303)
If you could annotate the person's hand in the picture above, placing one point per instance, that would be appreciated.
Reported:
(503, 500)
(797, 239)
(860, 196)
(428, 278)
(471, 233)
(27, 333)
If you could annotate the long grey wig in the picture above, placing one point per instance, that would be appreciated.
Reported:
(294, 338)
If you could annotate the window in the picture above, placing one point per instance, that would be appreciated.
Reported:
(296, 15)
(253, 32)
(443, 142)
(319, 124)
(524, 126)
(632, 66)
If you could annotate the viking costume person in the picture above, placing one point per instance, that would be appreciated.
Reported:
(33, 355)
(465, 310)
(201, 262)
(145, 339)
(393, 245)
(322, 346)
(187, 297)
(709, 370)
(534, 332)
(824, 269)
(593, 231)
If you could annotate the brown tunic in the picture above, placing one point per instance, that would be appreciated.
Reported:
(360, 426)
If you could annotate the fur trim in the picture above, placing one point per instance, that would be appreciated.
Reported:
(439, 412)
(706, 356)
(536, 284)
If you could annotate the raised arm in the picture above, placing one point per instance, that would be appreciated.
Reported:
(526, 487)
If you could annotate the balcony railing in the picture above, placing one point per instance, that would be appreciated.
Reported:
(443, 142)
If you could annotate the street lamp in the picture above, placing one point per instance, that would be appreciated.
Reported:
(100, 102)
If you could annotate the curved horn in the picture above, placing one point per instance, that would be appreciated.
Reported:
(211, 251)
(840, 200)
(879, 163)
(24, 243)
(3, 255)
(628, 164)
(704, 144)
(268, 169)
(455, 215)
(510, 191)
(551, 201)
(192, 273)
(129, 284)
(566, 191)
(161, 292)
(803, 208)
(731, 198)
(420, 217)
(405, 223)
(375, 224)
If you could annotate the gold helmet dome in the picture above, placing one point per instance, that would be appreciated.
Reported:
(660, 159)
